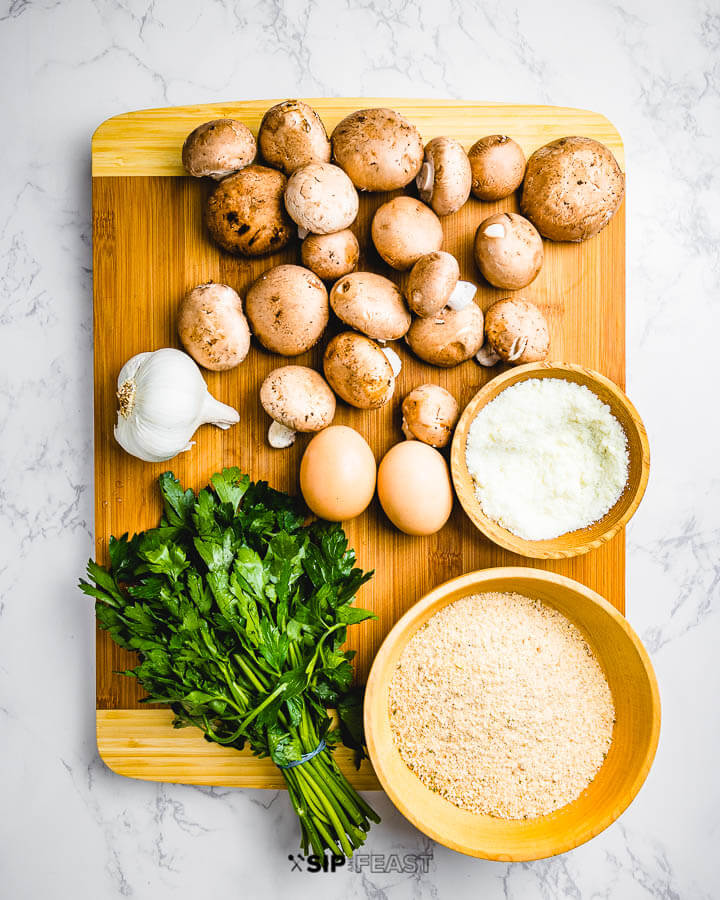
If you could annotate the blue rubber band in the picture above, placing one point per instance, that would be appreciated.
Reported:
(303, 759)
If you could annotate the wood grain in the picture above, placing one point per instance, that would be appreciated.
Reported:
(149, 142)
(150, 247)
(142, 743)
(582, 540)
(636, 730)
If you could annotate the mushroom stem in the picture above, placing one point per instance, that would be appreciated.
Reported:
(393, 359)
(302, 232)
(426, 178)
(495, 230)
(518, 347)
(280, 437)
(462, 295)
(409, 436)
(487, 356)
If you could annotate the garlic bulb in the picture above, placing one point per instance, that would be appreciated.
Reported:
(163, 401)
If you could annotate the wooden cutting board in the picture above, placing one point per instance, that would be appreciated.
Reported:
(150, 247)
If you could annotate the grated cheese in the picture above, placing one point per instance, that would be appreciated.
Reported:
(547, 457)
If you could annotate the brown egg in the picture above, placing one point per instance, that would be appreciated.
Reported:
(337, 474)
(414, 488)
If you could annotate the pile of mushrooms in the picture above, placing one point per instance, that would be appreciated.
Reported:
(296, 181)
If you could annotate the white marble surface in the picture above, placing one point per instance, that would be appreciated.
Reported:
(71, 828)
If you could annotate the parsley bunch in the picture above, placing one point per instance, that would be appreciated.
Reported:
(238, 611)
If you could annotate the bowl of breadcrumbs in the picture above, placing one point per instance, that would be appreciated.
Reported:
(512, 714)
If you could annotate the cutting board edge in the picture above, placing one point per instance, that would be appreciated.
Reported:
(125, 748)
(115, 126)
(111, 757)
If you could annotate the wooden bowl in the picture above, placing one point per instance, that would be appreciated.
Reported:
(635, 736)
(573, 543)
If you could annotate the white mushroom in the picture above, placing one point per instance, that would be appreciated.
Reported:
(321, 199)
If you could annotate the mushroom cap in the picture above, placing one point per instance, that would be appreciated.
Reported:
(498, 167)
(321, 198)
(298, 397)
(429, 415)
(218, 148)
(448, 164)
(330, 256)
(292, 135)
(358, 371)
(517, 331)
(372, 304)
(573, 187)
(213, 327)
(510, 254)
(245, 214)
(403, 230)
(432, 280)
(378, 148)
(288, 309)
(448, 338)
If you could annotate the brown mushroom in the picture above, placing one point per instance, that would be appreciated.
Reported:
(358, 371)
(218, 148)
(288, 309)
(330, 256)
(403, 230)
(372, 304)
(445, 177)
(297, 399)
(433, 284)
(498, 167)
(292, 135)
(508, 251)
(448, 338)
(516, 331)
(429, 415)
(246, 214)
(378, 148)
(321, 199)
(213, 327)
(573, 187)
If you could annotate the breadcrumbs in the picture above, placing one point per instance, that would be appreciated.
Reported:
(499, 705)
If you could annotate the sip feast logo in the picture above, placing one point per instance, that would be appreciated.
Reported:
(376, 863)
(315, 863)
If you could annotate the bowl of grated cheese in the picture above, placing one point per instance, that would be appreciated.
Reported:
(512, 714)
(550, 460)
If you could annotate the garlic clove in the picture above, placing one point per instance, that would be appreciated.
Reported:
(462, 295)
(220, 414)
(280, 437)
(393, 359)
